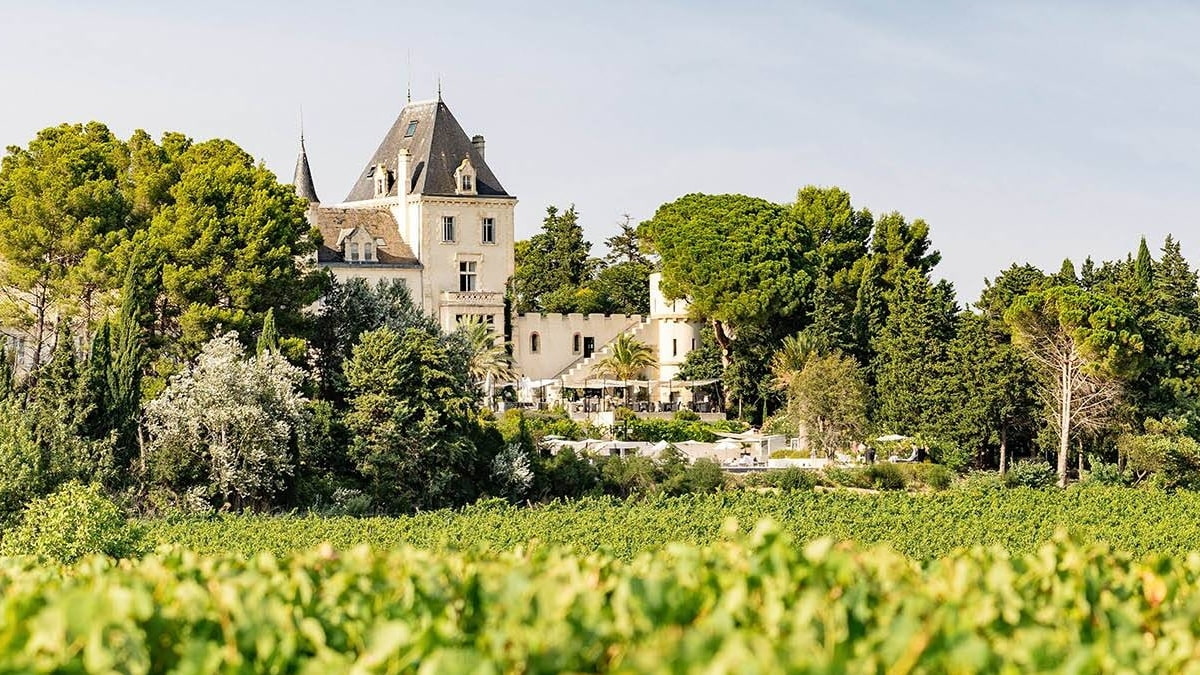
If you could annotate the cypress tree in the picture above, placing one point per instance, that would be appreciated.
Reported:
(268, 339)
(126, 359)
(1143, 268)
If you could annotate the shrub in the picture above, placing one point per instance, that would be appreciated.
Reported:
(794, 478)
(1106, 474)
(950, 455)
(934, 476)
(704, 475)
(854, 478)
(69, 524)
(686, 415)
(886, 476)
(790, 454)
(1031, 474)
(979, 482)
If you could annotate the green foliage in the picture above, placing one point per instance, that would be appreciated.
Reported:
(886, 476)
(793, 478)
(737, 259)
(229, 246)
(410, 413)
(75, 521)
(703, 476)
(1030, 474)
(1106, 474)
(555, 260)
(920, 525)
(65, 208)
(1170, 458)
(828, 400)
(755, 603)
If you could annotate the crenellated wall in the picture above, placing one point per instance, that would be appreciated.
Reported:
(556, 339)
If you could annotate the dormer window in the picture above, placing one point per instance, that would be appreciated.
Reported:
(353, 252)
(464, 178)
(380, 175)
(369, 251)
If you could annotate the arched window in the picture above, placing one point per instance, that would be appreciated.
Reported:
(577, 343)
(535, 343)
(368, 251)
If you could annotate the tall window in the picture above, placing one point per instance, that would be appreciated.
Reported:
(353, 252)
(674, 347)
(447, 228)
(535, 343)
(489, 231)
(466, 183)
(577, 343)
(368, 251)
(466, 276)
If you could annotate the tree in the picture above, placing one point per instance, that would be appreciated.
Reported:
(63, 211)
(1083, 344)
(985, 391)
(737, 260)
(623, 288)
(410, 405)
(841, 235)
(556, 258)
(627, 357)
(489, 361)
(793, 355)
(830, 401)
(909, 348)
(350, 308)
(236, 417)
(268, 339)
(230, 246)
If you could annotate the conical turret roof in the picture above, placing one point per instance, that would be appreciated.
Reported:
(303, 180)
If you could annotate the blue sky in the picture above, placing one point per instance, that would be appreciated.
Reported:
(1019, 131)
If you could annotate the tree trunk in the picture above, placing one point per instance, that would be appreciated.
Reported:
(1064, 425)
(1003, 449)
(723, 343)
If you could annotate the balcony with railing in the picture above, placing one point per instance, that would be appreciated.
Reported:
(473, 298)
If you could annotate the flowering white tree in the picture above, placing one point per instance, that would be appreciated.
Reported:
(234, 415)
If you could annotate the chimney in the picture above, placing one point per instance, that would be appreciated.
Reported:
(477, 143)
(402, 172)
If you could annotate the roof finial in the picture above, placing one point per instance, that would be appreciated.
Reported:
(439, 78)
(302, 127)
(409, 94)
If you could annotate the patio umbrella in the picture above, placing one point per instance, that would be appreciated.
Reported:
(891, 437)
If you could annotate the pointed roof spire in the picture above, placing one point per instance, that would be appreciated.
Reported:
(303, 180)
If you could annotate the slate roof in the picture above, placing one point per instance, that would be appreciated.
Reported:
(303, 180)
(437, 146)
(335, 224)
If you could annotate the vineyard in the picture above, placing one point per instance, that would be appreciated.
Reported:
(921, 526)
(756, 603)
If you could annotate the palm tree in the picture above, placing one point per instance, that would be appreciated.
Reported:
(627, 358)
(793, 355)
(489, 361)
(787, 364)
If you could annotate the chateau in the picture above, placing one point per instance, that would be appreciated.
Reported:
(428, 210)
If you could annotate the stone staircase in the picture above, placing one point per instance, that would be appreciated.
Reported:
(581, 369)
